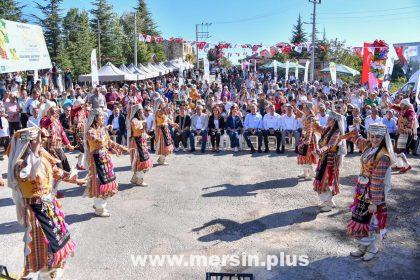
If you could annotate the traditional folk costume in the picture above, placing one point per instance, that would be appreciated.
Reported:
(326, 182)
(31, 174)
(369, 211)
(102, 182)
(306, 147)
(141, 161)
(407, 131)
(56, 139)
(163, 135)
(79, 117)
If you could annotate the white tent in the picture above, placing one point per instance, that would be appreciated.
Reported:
(153, 73)
(141, 74)
(109, 73)
(125, 69)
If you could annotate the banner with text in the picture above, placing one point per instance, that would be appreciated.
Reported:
(22, 47)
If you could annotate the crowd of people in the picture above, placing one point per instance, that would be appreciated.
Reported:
(323, 122)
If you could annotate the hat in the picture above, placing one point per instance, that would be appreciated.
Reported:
(377, 129)
(78, 102)
(27, 134)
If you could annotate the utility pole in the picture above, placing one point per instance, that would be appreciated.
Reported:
(315, 2)
(136, 38)
(203, 34)
(99, 44)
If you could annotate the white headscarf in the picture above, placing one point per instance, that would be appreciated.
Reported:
(18, 146)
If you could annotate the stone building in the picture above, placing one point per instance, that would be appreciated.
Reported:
(175, 50)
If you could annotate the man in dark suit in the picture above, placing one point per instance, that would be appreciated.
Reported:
(116, 123)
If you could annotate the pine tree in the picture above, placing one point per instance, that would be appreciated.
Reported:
(78, 41)
(107, 27)
(146, 23)
(298, 34)
(51, 23)
(11, 10)
(146, 52)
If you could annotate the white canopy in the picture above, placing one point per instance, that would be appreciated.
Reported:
(109, 73)
(153, 73)
(141, 74)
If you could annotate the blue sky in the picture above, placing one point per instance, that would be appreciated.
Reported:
(270, 21)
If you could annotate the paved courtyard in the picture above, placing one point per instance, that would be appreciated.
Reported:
(224, 204)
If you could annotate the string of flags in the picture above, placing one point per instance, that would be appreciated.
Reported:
(403, 52)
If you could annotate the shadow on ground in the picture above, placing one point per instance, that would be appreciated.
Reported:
(228, 230)
(249, 189)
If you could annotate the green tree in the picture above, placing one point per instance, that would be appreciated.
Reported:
(146, 52)
(51, 24)
(298, 34)
(11, 10)
(146, 23)
(78, 41)
(106, 27)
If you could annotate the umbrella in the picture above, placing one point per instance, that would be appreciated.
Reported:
(342, 69)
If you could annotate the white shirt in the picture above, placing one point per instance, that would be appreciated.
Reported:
(149, 122)
(115, 123)
(369, 120)
(199, 123)
(289, 123)
(272, 121)
(216, 123)
(32, 120)
(5, 124)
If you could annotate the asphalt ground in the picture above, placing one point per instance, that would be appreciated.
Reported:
(225, 204)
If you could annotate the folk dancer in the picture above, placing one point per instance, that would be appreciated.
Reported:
(137, 136)
(79, 116)
(54, 142)
(407, 131)
(369, 210)
(101, 183)
(31, 174)
(164, 141)
(326, 182)
(306, 147)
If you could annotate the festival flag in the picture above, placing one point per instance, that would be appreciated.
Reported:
(305, 77)
(287, 71)
(418, 91)
(273, 50)
(333, 72)
(275, 70)
(94, 68)
(367, 60)
(142, 38)
(389, 66)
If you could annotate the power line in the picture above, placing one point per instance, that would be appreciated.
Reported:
(331, 21)
(364, 11)
(374, 15)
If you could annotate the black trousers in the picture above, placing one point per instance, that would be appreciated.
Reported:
(268, 132)
(24, 120)
(181, 137)
(152, 140)
(13, 126)
(215, 139)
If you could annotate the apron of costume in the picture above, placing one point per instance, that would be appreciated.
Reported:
(327, 169)
(50, 244)
(104, 167)
(166, 135)
(141, 149)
